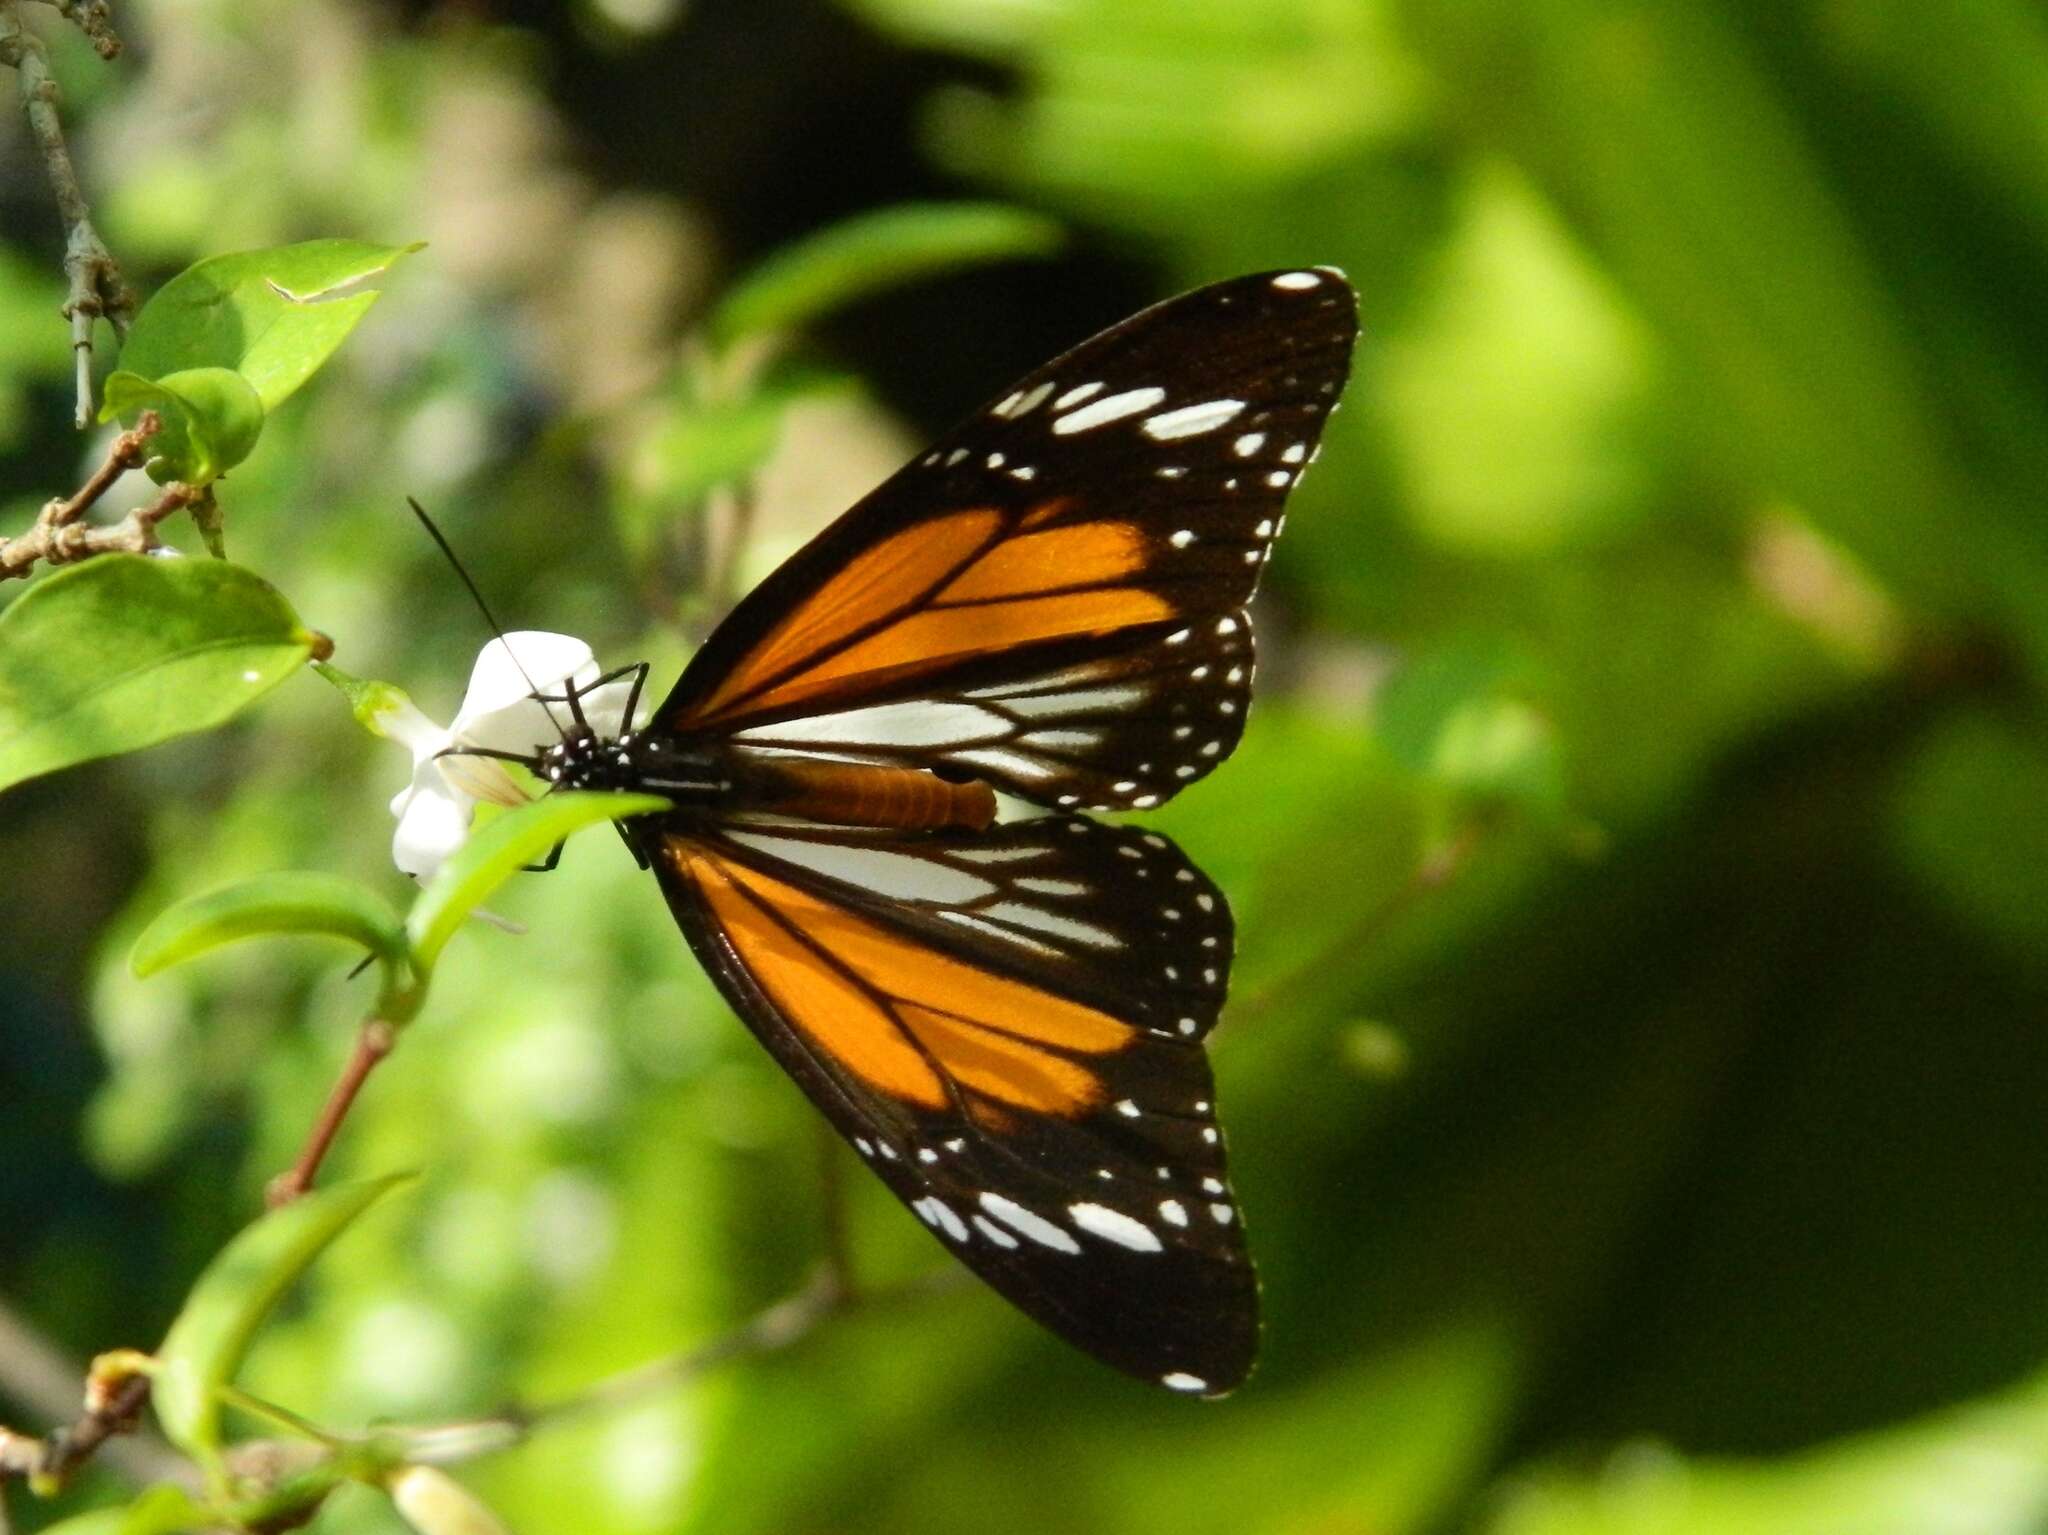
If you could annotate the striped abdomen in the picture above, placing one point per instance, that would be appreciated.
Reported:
(857, 794)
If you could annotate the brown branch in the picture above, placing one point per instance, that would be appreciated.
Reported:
(373, 1043)
(94, 277)
(61, 537)
(37, 1376)
(95, 18)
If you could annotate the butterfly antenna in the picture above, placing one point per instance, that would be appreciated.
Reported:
(497, 630)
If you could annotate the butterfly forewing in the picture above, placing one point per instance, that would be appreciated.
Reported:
(1051, 599)
(1007, 1027)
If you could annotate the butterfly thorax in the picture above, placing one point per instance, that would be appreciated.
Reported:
(711, 777)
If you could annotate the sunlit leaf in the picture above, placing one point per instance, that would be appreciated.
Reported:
(273, 316)
(274, 905)
(865, 255)
(232, 1299)
(124, 651)
(211, 420)
(500, 850)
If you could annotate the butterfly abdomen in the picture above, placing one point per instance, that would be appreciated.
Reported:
(856, 794)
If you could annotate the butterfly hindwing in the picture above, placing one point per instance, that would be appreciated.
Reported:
(1007, 1027)
(1051, 598)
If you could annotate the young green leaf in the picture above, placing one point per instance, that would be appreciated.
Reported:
(122, 652)
(499, 851)
(879, 250)
(211, 416)
(284, 903)
(233, 1298)
(273, 316)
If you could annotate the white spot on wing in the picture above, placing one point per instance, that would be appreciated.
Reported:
(1028, 1224)
(1109, 408)
(1179, 1380)
(1022, 403)
(1298, 282)
(1052, 922)
(1191, 420)
(1173, 1212)
(1248, 444)
(1115, 1226)
(993, 1232)
(1076, 395)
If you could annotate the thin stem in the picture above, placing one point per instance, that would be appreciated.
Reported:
(280, 1417)
(373, 1043)
(93, 276)
(779, 1327)
(1436, 869)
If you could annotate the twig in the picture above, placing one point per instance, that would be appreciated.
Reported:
(95, 18)
(61, 537)
(1436, 869)
(94, 277)
(373, 1043)
(781, 1326)
(34, 1373)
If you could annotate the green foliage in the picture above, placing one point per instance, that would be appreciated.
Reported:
(231, 1300)
(862, 256)
(122, 652)
(211, 420)
(1634, 1068)
(278, 904)
(500, 850)
(273, 316)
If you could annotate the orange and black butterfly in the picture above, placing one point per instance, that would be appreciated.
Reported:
(1005, 1018)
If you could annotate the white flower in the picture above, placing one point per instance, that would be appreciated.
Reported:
(498, 713)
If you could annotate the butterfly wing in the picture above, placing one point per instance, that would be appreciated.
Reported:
(1051, 599)
(1008, 1028)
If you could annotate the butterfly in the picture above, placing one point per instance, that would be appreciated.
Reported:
(1005, 1017)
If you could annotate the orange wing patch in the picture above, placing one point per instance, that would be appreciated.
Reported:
(872, 584)
(906, 1019)
(934, 594)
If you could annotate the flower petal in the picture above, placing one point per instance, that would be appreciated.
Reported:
(605, 708)
(537, 661)
(400, 720)
(433, 821)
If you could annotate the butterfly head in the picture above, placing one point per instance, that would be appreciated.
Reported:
(648, 761)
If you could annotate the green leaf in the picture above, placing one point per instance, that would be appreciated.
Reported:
(270, 315)
(703, 446)
(500, 850)
(211, 418)
(165, 1509)
(101, 1521)
(124, 651)
(233, 1298)
(284, 903)
(880, 250)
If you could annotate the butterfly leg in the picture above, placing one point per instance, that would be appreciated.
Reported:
(547, 865)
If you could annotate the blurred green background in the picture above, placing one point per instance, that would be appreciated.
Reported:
(1636, 1070)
